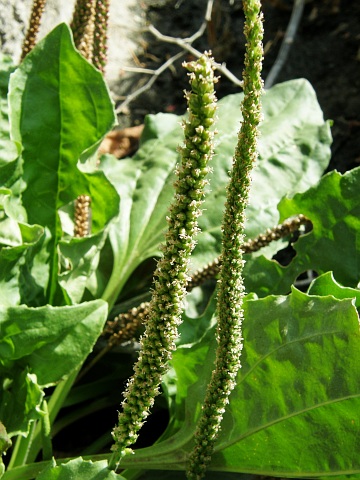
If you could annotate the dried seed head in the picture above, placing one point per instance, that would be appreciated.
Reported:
(82, 216)
(34, 25)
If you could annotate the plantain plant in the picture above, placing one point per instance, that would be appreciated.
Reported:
(78, 235)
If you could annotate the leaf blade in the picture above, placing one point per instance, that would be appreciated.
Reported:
(59, 108)
(293, 411)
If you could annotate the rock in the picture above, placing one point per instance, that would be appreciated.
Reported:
(125, 22)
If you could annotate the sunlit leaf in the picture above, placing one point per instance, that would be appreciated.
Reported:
(47, 339)
(294, 409)
(59, 108)
(333, 206)
(79, 469)
(16, 239)
(20, 400)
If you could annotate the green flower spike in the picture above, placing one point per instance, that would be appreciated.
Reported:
(231, 288)
(171, 275)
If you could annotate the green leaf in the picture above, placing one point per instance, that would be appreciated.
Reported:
(15, 240)
(145, 188)
(21, 398)
(8, 149)
(294, 411)
(79, 469)
(327, 285)
(5, 441)
(47, 338)
(294, 151)
(303, 362)
(60, 108)
(81, 257)
(38, 348)
(333, 206)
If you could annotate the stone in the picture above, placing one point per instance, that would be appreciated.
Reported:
(125, 23)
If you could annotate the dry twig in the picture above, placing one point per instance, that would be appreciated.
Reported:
(186, 45)
(150, 83)
(286, 43)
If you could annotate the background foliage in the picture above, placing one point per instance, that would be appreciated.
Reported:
(294, 410)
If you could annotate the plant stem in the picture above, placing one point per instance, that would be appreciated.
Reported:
(231, 288)
(55, 403)
(46, 432)
(171, 275)
(21, 450)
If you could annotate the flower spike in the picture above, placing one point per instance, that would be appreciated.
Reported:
(171, 275)
(231, 287)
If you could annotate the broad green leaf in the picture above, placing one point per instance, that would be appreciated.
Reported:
(20, 400)
(304, 360)
(79, 469)
(60, 108)
(333, 206)
(294, 151)
(294, 411)
(47, 338)
(38, 348)
(145, 188)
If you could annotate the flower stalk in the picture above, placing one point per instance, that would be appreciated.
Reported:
(82, 26)
(171, 275)
(99, 56)
(89, 27)
(37, 11)
(231, 287)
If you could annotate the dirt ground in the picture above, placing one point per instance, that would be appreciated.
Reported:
(326, 51)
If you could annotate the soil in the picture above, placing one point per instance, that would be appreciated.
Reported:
(326, 51)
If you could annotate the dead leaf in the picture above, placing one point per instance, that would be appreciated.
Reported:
(121, 143)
